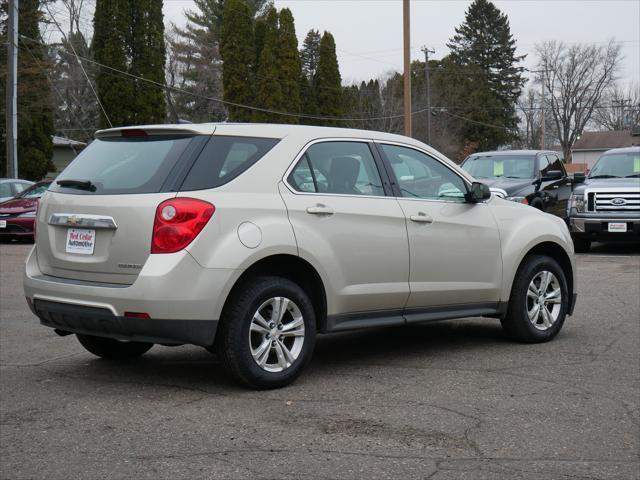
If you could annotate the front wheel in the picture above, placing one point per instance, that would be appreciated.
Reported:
(539, 301)
(267, 333)
(112, 349)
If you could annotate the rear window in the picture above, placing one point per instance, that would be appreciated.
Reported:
(224, 158)
(125, 165)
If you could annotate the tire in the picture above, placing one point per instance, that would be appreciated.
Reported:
(523, 301)
(243, 339)
(112, 349)
(537, 203)
(581, 245)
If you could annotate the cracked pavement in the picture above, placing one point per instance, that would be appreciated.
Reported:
(448, 400)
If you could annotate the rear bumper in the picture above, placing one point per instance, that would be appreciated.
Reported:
(101, 322)
(183, 299)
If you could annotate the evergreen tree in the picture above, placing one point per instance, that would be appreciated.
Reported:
(147, 61)
(288, 64)
(269, 93)
(308, 102)
(238, 54)
(110, 46)
(35, 103)
(485, 40)
(327, 81)
(309, 53)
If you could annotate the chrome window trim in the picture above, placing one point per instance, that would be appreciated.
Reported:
(83, 220)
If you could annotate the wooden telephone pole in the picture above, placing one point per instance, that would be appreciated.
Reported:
(406, 17)
(12, 91)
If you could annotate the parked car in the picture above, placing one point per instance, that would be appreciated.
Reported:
(10, 187)
(18, 214)
(533, 177)
(606, 207)
(250, 239)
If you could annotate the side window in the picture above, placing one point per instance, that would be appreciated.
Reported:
(421, 176)
(345, 168)
(20, 187)
(544, 165)
(556, 163)
(224, 158)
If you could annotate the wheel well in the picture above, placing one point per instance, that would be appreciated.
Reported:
(298, 271)
(559, 254)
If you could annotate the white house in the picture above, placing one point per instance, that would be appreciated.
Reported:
(593, 144)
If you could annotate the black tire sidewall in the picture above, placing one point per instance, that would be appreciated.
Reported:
(517, 321)
(235, 345)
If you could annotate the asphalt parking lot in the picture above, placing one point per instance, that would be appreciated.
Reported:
(451, 400)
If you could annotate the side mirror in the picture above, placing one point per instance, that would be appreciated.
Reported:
(477, 193)
(552, 175)
(579, 177)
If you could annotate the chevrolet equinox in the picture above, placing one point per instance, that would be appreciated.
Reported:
(250, 239)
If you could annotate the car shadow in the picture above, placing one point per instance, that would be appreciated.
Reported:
(194, 368)
(615, 248)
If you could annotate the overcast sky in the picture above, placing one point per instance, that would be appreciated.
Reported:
(368, 33)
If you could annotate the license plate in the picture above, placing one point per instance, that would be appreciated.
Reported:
(3, 224)
(81, 241)
(618, 227)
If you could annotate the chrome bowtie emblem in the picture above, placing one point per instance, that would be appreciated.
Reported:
(73, 220)
(618, 201)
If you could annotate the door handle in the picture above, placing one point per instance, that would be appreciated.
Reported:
(421, 218)
(320, 210)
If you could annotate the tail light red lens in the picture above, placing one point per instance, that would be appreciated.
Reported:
(178, 222)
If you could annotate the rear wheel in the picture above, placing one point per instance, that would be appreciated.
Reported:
(113, 349)
(539, 301)
(267, 333)
(581, 245)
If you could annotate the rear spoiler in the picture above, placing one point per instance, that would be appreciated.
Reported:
(139, 131)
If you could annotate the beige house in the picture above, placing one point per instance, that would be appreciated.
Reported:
(591, 145)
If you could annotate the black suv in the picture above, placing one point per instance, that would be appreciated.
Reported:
(533, 177)
(606, 208)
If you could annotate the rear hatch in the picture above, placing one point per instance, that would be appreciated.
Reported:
(95, 223)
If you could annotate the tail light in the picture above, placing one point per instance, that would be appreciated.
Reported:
(178, 222)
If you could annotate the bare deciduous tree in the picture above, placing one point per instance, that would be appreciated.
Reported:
(619, 108)
(576, 77)
(529, 110)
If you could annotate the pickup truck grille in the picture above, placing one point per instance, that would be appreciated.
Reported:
(616, 202)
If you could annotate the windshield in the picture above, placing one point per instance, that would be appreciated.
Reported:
(617, 165)
(500, 166)
(35, 191)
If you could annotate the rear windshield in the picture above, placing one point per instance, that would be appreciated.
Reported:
(160, 163)
(125, 165)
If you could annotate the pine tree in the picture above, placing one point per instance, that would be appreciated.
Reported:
(485, 40)
(327, 81)
(309, 53)
(238, 54)
(35, 103)
(147, 50)
(288, 64)
(110, 46)
(269, 94)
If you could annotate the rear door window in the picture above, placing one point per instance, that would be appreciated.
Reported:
(121, 165)
(225, 158)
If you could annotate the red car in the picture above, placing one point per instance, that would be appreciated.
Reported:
(18, 214)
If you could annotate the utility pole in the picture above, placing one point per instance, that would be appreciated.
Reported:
(406, 23)
(426, 78)
(543, 120)
(12, 91)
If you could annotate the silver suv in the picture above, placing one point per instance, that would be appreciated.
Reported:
(250, 239)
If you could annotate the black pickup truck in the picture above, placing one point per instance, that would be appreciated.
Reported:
(605, 207)
(533, 177)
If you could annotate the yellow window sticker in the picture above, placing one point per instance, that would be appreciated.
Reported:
(498, 168)
(636, 165)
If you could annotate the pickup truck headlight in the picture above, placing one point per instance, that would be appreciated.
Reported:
(519, 200)
(577, 202)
